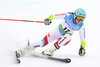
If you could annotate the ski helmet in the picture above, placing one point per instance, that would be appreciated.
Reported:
(80, 12)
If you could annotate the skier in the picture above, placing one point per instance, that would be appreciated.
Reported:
(72, 22)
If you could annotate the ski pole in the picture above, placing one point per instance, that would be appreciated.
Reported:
(21, 20)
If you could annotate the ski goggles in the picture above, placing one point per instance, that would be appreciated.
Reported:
(80, 18)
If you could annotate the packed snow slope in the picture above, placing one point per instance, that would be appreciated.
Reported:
(14, 35)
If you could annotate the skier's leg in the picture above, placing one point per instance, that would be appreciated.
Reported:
(60, 42)
(53, 35)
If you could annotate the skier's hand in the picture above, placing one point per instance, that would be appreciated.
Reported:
(47, 21)
(82, 51)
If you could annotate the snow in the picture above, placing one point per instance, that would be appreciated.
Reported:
(13, 35)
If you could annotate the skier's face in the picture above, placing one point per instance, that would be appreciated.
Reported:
(78, 21)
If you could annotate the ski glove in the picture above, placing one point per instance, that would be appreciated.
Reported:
(47, 21)
(82, 51)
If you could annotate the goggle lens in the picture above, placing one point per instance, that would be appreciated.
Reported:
(80, 18)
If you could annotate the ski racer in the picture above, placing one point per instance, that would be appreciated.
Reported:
(62, 33)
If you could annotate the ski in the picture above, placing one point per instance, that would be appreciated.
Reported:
(41, 55)
(66, 60)
(17, 58)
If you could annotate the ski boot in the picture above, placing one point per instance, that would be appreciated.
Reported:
(19, 53)
(22, 52)
(49, 51)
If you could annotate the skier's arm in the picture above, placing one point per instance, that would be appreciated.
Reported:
(82, 38)
(57, 16)
(48, 20)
